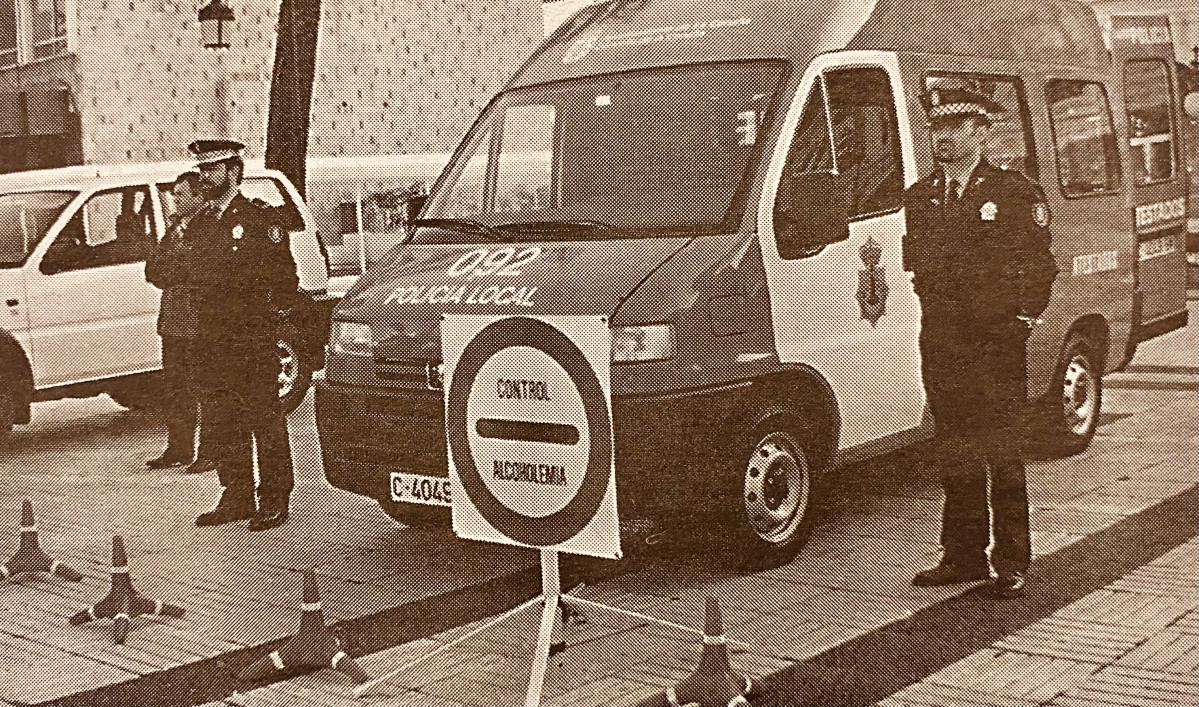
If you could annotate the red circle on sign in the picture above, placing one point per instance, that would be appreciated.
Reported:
(561, 525)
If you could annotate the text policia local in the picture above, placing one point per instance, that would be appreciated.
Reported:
(458, 294)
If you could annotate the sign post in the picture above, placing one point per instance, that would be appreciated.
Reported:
(531, 454)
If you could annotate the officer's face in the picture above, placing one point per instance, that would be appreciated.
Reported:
(957, 138)
(187, 202)
(214, 179)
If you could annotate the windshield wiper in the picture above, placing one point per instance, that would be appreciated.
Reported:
(559, 225)
(459, 224)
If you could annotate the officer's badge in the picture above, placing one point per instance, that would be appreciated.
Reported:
(275, 234)
(1041, 214)
(238, 231)
(988, 211)
(872, 283)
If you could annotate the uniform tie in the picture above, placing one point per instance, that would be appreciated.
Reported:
(951, 191)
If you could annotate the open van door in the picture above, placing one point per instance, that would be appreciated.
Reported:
(1144, 52)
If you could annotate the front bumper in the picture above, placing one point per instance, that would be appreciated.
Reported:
(669, 448)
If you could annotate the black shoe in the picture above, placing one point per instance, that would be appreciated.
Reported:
(1009, 585)
(949, 573)
(200, 466)
(167, 460)
(226, 511)
(265, 520)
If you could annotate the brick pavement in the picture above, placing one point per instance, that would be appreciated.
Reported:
(1134, 642)
(852, 579)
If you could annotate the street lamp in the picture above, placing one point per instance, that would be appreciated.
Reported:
(216, 22)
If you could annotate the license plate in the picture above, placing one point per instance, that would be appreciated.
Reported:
(414, 488)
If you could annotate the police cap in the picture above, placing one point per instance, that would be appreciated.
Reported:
(212, 151)
(959, 102)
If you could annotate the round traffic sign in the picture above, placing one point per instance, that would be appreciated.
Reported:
(573, 516)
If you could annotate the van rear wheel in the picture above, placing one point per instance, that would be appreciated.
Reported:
(1074, 416)
(769, 509)
(8, 410)
(295, 370)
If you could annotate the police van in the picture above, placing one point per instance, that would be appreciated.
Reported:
(723, 182)
(79, 318)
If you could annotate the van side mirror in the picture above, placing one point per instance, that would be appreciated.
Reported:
(813, 214)
(415, 203)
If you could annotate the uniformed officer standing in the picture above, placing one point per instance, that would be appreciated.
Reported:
(242, 276)
(978, 245)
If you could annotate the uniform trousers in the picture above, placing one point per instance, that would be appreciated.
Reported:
(243, 410)
(977, 387)
(180, 379)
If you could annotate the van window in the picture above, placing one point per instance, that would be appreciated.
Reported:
(1147, 97)
(1081, 119)
(867, 139)
(24, 219)
(639, 154)
(112, 228)
(1011, 142)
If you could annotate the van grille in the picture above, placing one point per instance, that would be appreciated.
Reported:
(413, 374)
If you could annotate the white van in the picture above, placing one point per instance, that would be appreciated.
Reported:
(79, 318)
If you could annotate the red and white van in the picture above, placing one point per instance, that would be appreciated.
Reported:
(636, 166)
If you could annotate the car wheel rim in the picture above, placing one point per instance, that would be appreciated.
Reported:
(1080, 395)
(776, 492)
(289, 369)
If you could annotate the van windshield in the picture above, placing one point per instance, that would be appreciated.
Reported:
(643, 153)
(24, 219)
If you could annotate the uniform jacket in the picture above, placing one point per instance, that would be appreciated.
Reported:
(242, 274)
(166, 269)
(983, 259)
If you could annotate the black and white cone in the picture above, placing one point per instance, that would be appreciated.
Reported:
(312, 647)
(30, 557)
(713, 684)
(123, 601)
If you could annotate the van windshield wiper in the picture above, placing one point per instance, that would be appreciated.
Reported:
(459, 224)
(559, 225)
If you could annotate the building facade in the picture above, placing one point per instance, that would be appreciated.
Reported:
(102, 81)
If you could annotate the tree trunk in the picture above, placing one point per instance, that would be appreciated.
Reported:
(291, 89)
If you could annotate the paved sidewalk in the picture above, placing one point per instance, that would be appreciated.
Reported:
(1134, 642)
(851, 582)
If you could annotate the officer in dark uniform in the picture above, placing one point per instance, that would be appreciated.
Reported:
(978, 245)
(242, 275)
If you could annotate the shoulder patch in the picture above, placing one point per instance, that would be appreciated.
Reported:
(275, 234)
(1041, 215)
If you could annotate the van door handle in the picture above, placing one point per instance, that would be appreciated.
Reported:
(13, 302)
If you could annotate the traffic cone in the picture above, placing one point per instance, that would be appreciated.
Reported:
(123, 601)
(30, 557)
(312, 646)
(713, 683)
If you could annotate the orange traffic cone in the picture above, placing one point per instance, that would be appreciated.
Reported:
(312, 646)
(30, 557)
(123, 601)
(713, 684)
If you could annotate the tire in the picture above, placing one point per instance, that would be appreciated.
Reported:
(295, 370)
(1071, 420)
(767, 508)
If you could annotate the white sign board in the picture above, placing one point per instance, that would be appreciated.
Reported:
(529, 430)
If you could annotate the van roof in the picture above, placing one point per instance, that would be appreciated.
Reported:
(76, 176)
(622, 34)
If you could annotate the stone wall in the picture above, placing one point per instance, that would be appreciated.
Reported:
(393, 76)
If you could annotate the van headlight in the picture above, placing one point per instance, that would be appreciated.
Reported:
(652, 342)
(352, 338)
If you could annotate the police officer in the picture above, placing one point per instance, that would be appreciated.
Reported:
(977, 244)
(242, 275)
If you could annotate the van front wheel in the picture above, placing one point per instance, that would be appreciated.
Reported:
(772, 514)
